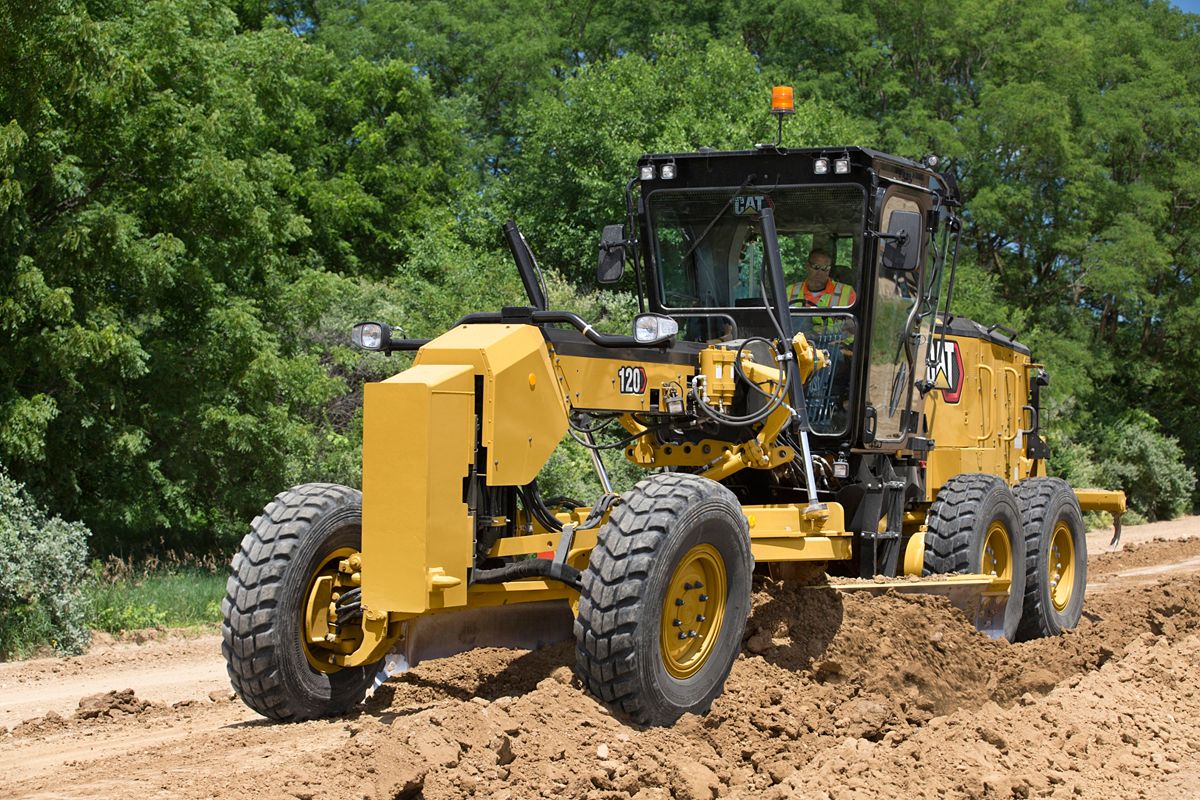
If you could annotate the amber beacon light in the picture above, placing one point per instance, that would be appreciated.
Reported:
(782, 101)
(782, 104)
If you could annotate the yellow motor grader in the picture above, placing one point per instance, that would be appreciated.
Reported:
(796, 390)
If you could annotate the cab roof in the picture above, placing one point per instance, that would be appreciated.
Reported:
(784, 164)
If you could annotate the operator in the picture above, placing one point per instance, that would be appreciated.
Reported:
(827, 393)
(817, 288)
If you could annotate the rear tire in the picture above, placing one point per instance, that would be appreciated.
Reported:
(1055, 557)
(262, 632)
(656, 634)
(975, 526)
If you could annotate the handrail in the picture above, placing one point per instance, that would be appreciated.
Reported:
(986, 408)
(530, 316)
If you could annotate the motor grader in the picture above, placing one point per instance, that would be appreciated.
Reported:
(866, 432)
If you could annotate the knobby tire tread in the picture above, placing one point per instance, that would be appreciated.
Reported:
(249, 621)
(952, 519)
(612, 603)
(1034, 497)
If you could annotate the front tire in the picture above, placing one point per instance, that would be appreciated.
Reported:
(299, 536)
(975, 527)
(665, 599)
(1055, 557)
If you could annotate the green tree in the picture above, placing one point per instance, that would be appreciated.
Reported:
(581, 144)
(166, 184)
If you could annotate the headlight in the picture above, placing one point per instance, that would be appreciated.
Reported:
(667, 173)
(649, 328)
(371, 335)
(647, 172)
(842, 166)
(821, 166)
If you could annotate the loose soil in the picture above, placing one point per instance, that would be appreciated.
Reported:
(834, 696)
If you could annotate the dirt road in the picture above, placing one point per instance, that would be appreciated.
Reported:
(837, 696)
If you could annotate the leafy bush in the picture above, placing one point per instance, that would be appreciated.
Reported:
(42, 563)
(1147, 464)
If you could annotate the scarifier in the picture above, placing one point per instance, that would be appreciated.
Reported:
(846, 422)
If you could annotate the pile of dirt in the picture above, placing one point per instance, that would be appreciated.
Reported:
(110, 704)
(1115, 732)
(836, 695)
(1144, 554)
(40, 726)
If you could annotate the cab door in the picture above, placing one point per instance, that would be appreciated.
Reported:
(896, 297)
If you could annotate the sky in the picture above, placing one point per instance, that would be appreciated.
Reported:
(1192, 6)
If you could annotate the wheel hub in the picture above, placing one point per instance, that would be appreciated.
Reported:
(323, 637)
(693, 611)
(997, 552)
(1061, 566)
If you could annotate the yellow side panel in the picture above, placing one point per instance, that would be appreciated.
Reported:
(595, 383)
(524, 417)
(981, 431)
(418, 435)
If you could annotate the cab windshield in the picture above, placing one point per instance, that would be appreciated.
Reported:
(709, 253)
(707, 247)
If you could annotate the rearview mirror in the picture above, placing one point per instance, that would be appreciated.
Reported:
(612, 255)
(902, 241)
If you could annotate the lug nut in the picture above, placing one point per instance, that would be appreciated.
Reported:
(687, 586)
(676, 623)
(678, 601)
(699, 618)
(703, 598)
(692, 634)
(699, 585)
(682, 635)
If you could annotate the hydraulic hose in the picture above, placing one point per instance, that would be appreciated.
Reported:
(530, 568)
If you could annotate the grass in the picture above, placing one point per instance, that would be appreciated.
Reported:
(157, 594)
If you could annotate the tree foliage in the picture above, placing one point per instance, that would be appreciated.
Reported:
(197, 199)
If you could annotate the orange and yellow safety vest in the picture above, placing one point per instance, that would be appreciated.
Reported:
(833, 295)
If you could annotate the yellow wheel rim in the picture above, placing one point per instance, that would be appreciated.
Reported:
(314, 623)
(1061, 566)
(997, 552)
(693, 611)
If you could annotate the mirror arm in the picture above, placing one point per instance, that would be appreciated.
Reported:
(901, 237)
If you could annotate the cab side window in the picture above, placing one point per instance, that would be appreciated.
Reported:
(889, 373)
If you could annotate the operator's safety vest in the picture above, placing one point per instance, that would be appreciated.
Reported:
(834, 294)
